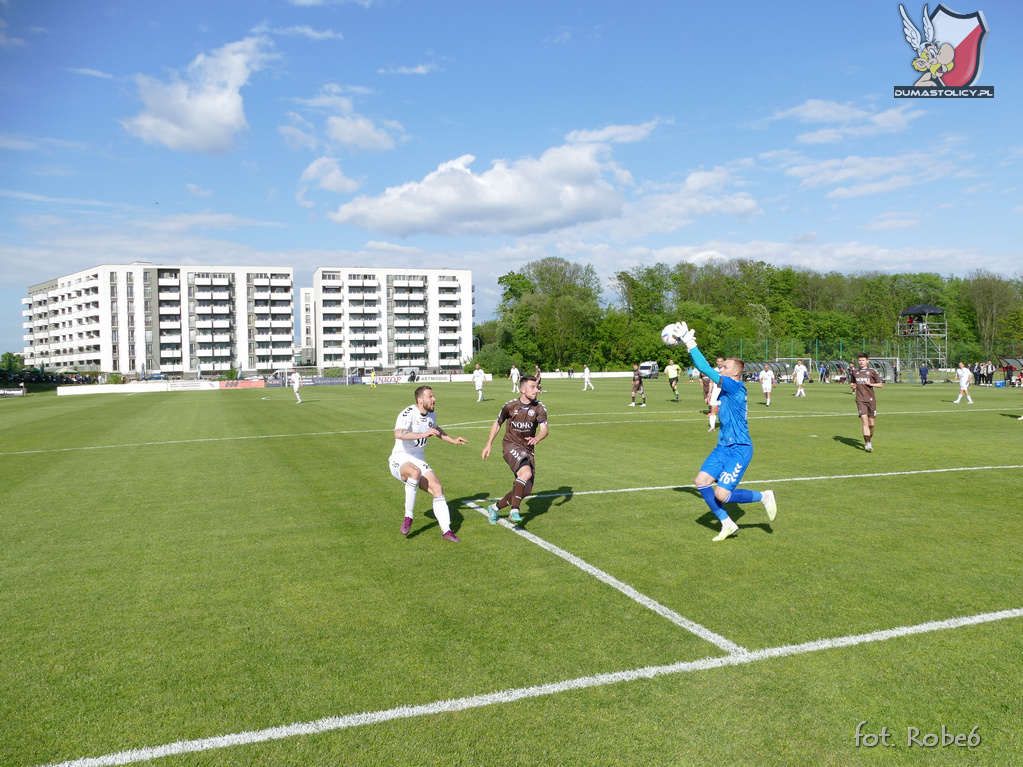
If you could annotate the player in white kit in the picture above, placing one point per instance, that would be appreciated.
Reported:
(799, 372)
(478, 377)
(415, 425)
(964, 375)
(296, 382)
(586, 377)
(766, 377)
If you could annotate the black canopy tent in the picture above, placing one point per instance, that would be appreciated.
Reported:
(921, 310)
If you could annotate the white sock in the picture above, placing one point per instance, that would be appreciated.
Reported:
(970, 400)
(713, 420)
(958, 398)
(411, 486)
(440, 510)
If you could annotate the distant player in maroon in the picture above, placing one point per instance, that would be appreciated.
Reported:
(527, 424)
(863, 381)
(637, 385)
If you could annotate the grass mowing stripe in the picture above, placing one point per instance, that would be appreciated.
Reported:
(509, 696)
(629, 591)
(771, 481)
(388, 431)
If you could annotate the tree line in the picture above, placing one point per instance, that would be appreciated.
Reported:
(552, 311)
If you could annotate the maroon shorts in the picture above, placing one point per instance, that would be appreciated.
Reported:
(516, 458)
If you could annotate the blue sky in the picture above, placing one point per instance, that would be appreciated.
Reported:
(486, 135)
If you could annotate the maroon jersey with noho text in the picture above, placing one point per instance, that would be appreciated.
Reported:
(523, 421)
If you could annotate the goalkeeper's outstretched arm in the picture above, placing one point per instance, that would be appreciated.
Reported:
(703, 366)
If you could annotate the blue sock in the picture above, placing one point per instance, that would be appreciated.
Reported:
(744, 496)
(707, 491)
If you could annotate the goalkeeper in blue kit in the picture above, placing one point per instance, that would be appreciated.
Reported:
(729, 460)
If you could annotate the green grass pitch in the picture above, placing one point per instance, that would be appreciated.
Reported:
(182, 566)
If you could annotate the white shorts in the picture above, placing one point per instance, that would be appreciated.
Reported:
(715, 392)
(964, 386)
(395, 462)
(479, 387)
(766, 388)
(799, 380)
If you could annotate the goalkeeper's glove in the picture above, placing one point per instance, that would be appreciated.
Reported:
(685, 335)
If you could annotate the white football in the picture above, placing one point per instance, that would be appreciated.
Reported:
(668, 335)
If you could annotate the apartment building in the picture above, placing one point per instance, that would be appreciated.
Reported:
(385, 319)
(142, 318)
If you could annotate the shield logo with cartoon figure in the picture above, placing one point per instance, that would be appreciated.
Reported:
(966, 34)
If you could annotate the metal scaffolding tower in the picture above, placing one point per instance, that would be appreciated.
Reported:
(925, 332)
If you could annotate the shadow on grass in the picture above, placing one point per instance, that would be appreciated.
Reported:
(1013, 416)
(537, 506)
(735, 512)
(856, 443)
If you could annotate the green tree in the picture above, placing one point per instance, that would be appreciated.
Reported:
(11, 362)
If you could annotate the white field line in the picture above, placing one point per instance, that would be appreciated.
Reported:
(524, 693)
(746, 482)
(486, 425)
(695, 628)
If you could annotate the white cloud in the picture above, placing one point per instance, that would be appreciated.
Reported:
(297, 31)
(16, 143)
(300, 134)
(419, 69)
(205, 112)
(853, 122)
(890, 221)
(565, 186)
(324, 173)
(816, 110)
(357, 131)
(344, 127)
(188, 222)
(90, 73)
(198, 191)
(613, 134)
(6, 41)
(860, 176)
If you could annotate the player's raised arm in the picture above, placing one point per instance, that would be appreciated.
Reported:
(453, 440)
(687, 336)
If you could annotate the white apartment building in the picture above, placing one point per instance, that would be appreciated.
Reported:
(366, 317)
(177, 320)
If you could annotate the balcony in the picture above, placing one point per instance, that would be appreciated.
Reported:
(261, 294)
(168, 281)
(204, 324)
(169, 295)
(221, 309)
(224, 338)
(261, 323)
(281, 324)
(278, 282)
(170, 325)
(165, 309)
(282, 310)
(204, 310)
(221, 323)
(220, 281)
(204, 295)
(170, 338)
(203, 281)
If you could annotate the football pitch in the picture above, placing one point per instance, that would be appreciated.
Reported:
(218, 578)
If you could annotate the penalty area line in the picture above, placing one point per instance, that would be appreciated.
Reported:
(695, 628)
(334, 723)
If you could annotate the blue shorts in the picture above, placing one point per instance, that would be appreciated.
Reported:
(727, 464)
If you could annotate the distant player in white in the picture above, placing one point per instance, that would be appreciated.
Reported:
(766, 377)
(296, 382)
(799, 373)
(478, 377)
(586, 377)
(965, 375)
(715, 393)
(415, 425)
(514, 375)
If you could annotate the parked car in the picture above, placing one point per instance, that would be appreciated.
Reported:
(649, 370)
